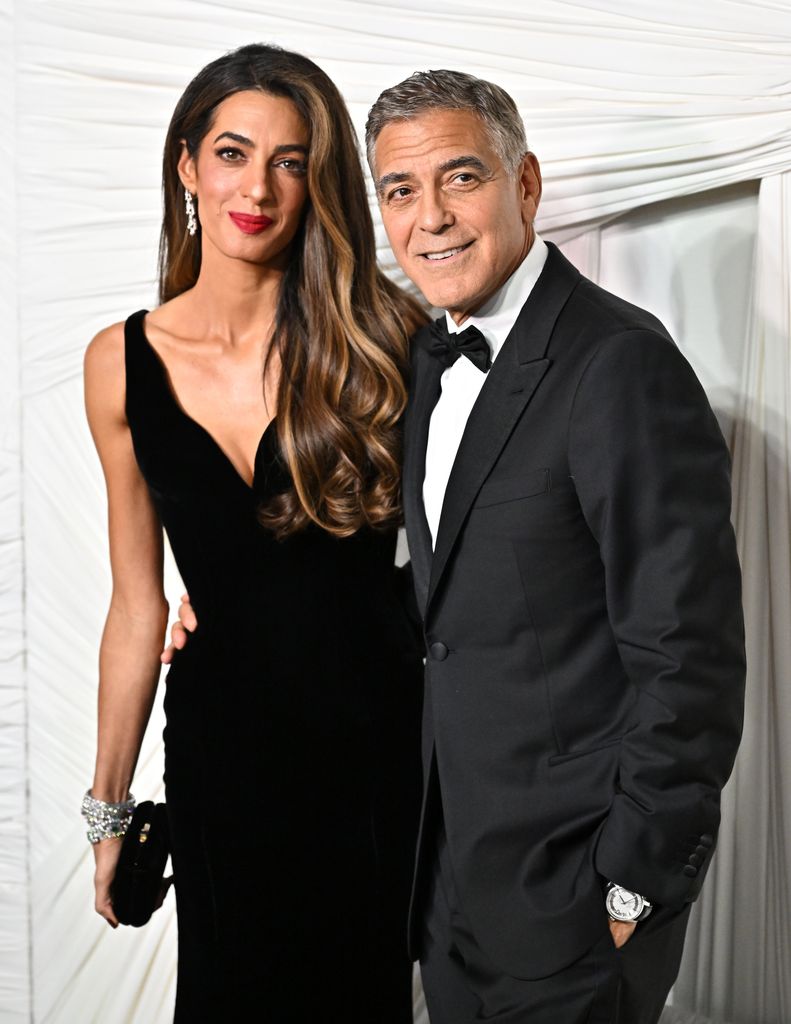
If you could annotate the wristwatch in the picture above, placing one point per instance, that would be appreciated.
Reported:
(625, 905)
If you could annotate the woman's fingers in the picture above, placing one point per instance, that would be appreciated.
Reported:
(163, 891)
(179, 631)
(104, 908)
(187, 615)
(106, 853)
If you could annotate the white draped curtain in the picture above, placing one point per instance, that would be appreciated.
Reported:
(664, 133)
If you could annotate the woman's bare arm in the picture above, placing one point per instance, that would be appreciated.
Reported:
(137, 618)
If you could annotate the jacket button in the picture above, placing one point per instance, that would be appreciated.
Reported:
(707, 841)
(701, 851)
(690, 871)
(438, 651)
(695, 859)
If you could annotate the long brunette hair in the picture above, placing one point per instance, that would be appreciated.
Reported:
(341, 327)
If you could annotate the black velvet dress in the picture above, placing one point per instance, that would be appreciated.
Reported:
(291, 744)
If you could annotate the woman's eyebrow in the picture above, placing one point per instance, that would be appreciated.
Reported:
(241, 139)
(244, 141)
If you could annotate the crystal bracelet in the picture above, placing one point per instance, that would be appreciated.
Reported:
(105, 820)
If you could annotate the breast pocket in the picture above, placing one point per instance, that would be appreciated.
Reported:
(526, 485)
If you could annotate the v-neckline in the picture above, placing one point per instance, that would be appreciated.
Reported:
(199, 426)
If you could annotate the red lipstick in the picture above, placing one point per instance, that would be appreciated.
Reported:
(251, 224)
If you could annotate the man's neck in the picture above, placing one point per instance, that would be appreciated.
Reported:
(498, 314)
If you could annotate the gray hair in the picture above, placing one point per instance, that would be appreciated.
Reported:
(451, 90)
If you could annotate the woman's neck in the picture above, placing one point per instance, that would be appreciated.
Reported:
(233, 298)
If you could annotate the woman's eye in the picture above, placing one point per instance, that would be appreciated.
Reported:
(230, 153)
(293, 165)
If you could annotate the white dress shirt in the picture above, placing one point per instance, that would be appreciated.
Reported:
(461, 383)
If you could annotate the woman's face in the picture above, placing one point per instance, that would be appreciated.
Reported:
(250, 177)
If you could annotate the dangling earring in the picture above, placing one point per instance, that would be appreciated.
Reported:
(189, 206)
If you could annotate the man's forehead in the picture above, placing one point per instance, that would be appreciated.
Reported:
(432, 140)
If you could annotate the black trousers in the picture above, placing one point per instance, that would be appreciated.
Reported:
(605, 986)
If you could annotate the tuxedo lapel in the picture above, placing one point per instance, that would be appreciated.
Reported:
(424, 394)
(505, 394)
(510, 384)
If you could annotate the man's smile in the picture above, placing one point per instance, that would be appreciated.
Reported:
(445, 254)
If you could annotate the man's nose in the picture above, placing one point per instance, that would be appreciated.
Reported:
(434, 213)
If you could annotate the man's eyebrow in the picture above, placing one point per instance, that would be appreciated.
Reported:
(466, 161)
(394, 178)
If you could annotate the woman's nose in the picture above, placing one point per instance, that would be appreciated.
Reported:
(256, 185)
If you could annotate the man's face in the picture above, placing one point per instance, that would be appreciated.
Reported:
(459, 224)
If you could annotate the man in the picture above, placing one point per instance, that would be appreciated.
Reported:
(566, 494)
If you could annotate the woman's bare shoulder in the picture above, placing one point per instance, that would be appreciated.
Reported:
(171, 320)
(104, 355)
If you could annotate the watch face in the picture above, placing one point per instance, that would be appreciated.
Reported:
(624, 905)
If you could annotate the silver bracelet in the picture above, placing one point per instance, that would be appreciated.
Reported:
(106, 821)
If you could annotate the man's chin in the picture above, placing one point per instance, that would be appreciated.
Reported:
(449, 299)
(458, 309)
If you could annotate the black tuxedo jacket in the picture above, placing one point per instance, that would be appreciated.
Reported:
(582, 615)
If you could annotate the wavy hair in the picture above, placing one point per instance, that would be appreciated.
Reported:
(341, 327)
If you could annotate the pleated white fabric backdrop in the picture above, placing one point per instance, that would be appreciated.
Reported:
(665, 136)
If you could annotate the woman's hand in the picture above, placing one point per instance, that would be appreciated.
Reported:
(180, 631)
(106, 854)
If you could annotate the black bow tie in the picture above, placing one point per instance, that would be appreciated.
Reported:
(470, 342)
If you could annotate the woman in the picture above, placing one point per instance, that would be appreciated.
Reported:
(254, 414)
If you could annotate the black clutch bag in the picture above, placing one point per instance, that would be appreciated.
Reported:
(137, 885)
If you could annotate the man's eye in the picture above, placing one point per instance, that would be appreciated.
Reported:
(400, 193)
(464, 178)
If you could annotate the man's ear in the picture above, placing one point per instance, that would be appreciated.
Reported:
(186, 169)
(529, 186)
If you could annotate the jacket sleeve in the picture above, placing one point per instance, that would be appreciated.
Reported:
(405, 589)
(652, 473)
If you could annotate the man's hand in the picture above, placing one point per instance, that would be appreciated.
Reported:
(621, 932)
(179, 631)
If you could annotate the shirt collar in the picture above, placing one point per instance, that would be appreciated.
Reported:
(496, 318)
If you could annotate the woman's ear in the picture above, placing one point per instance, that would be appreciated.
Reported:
(186, 169)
